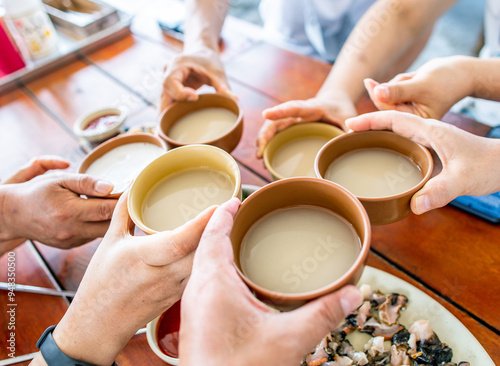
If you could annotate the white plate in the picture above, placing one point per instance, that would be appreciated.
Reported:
(421, 306)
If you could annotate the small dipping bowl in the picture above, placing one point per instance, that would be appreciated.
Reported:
(300, 191)
(176, 161)
(100, 125)
(106, 147)
(297, 134)
(177, 110)
(165, 327)
(381, 210)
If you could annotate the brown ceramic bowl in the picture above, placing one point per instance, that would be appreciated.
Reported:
(382, 210)
(109, 145)
(176, 110)
(174, 161)
(301, 191)
(294, 134)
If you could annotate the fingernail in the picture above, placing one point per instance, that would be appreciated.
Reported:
(192, 98)
(350, 299)
(423, 204)
(382, 92)
(103, 187)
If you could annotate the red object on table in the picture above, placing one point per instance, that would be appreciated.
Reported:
(10, 58)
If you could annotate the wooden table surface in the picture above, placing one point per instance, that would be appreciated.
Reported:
(450, 255)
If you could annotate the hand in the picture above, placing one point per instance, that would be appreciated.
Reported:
(429, 92)
(334, 111)
(187, 72)
(36, 167)
(224, 324)
(130, 281)
(470, 162)
(49, 209)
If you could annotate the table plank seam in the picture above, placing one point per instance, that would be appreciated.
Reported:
(46, 268)
(129, 88)
(47, 110)
(436, 292)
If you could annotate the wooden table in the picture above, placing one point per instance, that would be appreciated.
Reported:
(448, 254)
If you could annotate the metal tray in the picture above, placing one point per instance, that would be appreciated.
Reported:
(69, 50)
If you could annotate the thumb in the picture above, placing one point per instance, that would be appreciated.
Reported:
(121, 223)
(170, 246)
(396, 93)
(87, 185)
(437, 192)
(317, 318)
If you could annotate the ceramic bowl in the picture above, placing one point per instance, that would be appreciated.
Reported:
(176, 110)
(382, 210)
(101, 134)
(301, 191)
(294, 134)
(174, 161)
(152, 337)
(106, 147)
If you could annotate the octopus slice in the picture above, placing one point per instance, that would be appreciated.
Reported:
(319, 356)
(388, 311)
(377, 329)
(375, 346)
(422, 330)
(358, 318)
(359, 358)
(399, 356)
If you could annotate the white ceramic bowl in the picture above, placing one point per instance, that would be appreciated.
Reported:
(102, 134)
(153, 342)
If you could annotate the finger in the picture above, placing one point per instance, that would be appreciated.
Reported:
(370, 86)
(269, 129)
(165, 101)
(83, 184)
(174, 86)
(170, 246)
(95, 209)
(36, 167)
(294, 108)
(399, 92)
(121, 223)
(404, 124)
(403, 77)
(215, 246)
(437, 192)
(319, 317)
(88, 232)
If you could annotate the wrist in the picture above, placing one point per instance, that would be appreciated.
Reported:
(84, 339)
(467, 66)
(7, 231)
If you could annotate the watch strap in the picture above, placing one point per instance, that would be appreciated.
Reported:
(53, 355)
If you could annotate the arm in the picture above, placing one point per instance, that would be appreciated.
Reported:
(388, 30)
(130, 281)
(199, 62)
(463, 172)
(223, 323)
(436, 86)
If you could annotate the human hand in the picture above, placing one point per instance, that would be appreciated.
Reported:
(36, 167)
(334, 111)
(470, 162)
(224, 324)
(429, 92)
(49, 209)
(129, 281)
(187, 72)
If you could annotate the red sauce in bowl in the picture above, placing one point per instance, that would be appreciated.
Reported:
(167, 330)
(102, 123)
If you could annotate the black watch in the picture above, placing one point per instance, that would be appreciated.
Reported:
(53, 355)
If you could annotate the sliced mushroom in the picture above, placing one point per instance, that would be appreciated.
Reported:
(388, 311)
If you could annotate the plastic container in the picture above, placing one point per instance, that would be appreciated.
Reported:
(31, 28)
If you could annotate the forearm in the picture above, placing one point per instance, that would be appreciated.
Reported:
(204, 22)
(485, 74)
(387, 30)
